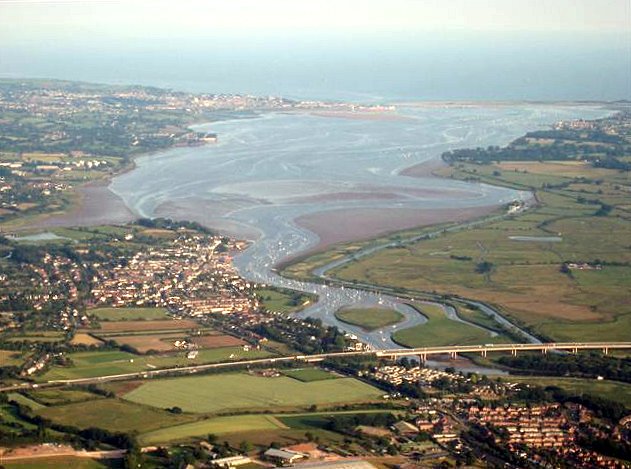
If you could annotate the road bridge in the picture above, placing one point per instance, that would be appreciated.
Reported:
(421, 352)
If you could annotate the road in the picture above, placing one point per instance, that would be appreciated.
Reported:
(422, 353)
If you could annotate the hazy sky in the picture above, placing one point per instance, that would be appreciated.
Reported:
(25, 20)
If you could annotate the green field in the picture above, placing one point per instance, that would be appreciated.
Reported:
(614, 390)
(307, 375)
(103, 363)
(24, 401)
(216, 426)
(283, 301)
(129, 314)
(369, 319)
(59, 396)
(440, 330)
(225, 392)
(114, 415)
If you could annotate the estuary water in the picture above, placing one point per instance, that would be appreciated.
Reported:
(266, 172)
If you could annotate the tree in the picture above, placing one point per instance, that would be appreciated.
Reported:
(245, 447)
(484, 267)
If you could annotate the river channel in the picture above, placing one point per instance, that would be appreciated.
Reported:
(267, 172)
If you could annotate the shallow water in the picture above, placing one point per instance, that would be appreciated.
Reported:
(266, 172)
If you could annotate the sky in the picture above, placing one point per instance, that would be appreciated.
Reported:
(27, 20)
(376, 49)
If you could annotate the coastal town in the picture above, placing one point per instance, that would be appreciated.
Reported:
(142, 343)
(57, 136)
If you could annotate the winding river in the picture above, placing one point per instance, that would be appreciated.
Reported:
(269, 171)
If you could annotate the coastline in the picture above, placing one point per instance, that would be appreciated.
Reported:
(345, 226)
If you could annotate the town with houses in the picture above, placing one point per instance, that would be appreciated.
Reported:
(93, 317)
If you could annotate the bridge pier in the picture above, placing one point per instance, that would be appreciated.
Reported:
(544, 351)
(422, 358)
(513, 352)
(605, 351)
(483, 353)
(453, 355)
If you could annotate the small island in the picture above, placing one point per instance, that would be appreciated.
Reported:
(369, 319)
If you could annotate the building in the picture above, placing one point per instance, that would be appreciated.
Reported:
(282, 456)
(231, 461)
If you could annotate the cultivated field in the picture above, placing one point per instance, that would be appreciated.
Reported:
(145, 326)
(82, 338)
(224, 392)
(369, 318)
(217, 341)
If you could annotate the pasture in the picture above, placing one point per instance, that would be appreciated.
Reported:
(216, 426)
(112, 414)
(369, 319)
(283, 301)
(307, 375)
(440, 330)
(247, 424)
(232, 391)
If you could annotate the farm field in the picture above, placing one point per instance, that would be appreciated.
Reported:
(82, 338)
(310, 374)
(101, 363)
(142, 326)
(144, 343)
(245, 424)
(369, 318)
(224, 392)
(216, 341)
(440, 330)
(216, 426)
(61, 396)
(112, 414)
(56, 462)
(613, 390)
(128, 314)
(164, 342)
(44, 336)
